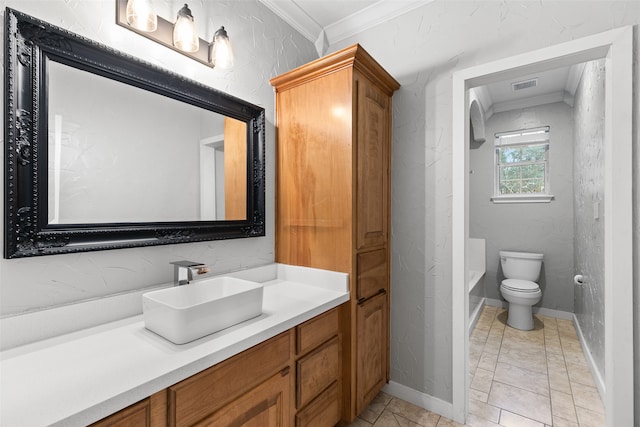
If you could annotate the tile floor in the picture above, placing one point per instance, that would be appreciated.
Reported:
(518, 378)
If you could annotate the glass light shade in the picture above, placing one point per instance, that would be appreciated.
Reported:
(141, 15)
(221, 53)
(184, 31)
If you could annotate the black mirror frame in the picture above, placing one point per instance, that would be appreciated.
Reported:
(29, 43)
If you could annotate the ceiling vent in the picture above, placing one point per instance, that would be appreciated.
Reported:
(524, 85)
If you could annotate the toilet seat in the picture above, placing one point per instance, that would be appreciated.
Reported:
(518, 285)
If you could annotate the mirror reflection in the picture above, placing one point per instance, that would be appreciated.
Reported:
(121, 154)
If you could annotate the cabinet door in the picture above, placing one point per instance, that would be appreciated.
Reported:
(371, 349)
(267, 405)
(373, 165)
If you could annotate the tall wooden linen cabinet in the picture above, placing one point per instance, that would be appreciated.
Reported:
(333, 119)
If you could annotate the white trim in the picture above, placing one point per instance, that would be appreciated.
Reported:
(543, 311)
(523, 198)
(597, 375)
(532, 101)
(291, 13)
(616, 45)
(475, 316)
(375, 14)
(418, 398)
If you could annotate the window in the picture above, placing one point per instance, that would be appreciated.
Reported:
(522, 166)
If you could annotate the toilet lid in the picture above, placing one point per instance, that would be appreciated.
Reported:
(520, 285)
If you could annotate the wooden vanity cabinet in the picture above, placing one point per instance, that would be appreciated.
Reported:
(256, 381)
(136, 415)
(333, 120)
(291, 379)
(318, 371)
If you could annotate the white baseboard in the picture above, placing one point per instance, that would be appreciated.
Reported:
(418, 398)
(597, 375)
(558, 314)
(475, 316)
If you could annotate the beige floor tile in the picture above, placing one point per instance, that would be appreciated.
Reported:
(523, 358)
(383, 398)
(522, 378)
(509, 419)
(493, 345)
(549, 322)
(559, 422)
(484, 411)
(556, 361)
(478, 395)
(566, 326)
(446, 422)
(559, 380)
(587, 397)
(580, 374)
(479, 335)
(389, 419)
(372, 412)
(359, 422)
(488, 361)
(475, 421)
(482, 380)
(571, 344)
(575, 357)
(521, 402)
(476, 347)
(412, 412)
(534, 375)
(588, 418)
(552, 344)
(562, 406)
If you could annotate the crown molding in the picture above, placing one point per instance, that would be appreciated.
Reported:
(372, 15)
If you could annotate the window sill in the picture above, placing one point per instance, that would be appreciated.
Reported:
(523, 198)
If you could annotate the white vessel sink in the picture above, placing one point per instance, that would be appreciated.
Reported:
(185, 313)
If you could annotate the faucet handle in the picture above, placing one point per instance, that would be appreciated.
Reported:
(200, 269)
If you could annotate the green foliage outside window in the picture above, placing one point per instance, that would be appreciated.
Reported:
(522, 169)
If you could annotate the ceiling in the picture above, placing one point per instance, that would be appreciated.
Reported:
(326, 22)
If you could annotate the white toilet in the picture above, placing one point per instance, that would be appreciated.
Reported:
(521, 271)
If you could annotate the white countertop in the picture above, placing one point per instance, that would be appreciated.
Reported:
(82, 377)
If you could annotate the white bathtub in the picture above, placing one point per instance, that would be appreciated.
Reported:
(477, 267)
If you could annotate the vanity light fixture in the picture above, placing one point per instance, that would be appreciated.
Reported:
(184, 31)
(220, 52)
(139, 17)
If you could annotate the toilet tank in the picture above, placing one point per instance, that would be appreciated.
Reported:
(521, 265)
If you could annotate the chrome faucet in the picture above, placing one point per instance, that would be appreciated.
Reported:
(184, 271)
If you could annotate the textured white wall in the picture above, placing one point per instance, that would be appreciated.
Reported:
(546, 228)
(264, 47)
(589, 190)
(421, 49)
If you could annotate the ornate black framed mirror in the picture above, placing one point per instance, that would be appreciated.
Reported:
(105, 151)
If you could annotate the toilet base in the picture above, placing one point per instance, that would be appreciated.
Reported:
(520, 317)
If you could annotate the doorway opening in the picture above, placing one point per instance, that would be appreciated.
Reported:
(615, 47)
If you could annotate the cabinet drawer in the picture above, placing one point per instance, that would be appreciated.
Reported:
(314, 332)
(372, 274)
(195, 398)
(323, 411)
(317, 371)
(136, 415)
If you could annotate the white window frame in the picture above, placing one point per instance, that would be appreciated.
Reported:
(522, 137)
